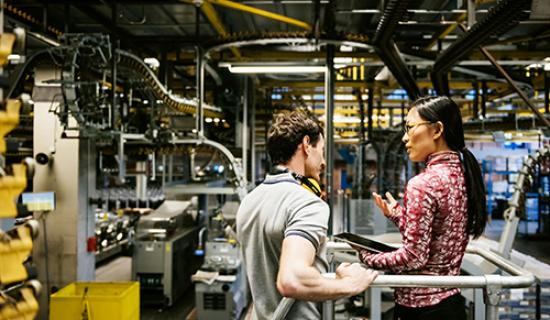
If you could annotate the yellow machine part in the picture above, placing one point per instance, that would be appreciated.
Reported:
(26, 309)
(13, 253)
(10, 188)
(9, 119)
(6, 46)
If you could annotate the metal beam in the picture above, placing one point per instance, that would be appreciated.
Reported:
(217, 23)
(173, 19)
(500, 18)
(445, 32)
(516, 88)
(330, 78)
(546, 93)
(260, 12)
(105, 22)
(371, 59)
(512, 83)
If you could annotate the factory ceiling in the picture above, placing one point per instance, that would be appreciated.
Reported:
(399, 49)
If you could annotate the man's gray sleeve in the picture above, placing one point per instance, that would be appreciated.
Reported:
(309, 220)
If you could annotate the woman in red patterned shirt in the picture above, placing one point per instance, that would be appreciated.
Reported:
(443, 205)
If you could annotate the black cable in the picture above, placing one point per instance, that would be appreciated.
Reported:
(46, 255)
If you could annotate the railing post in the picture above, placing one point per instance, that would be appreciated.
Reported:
(375, 303)
(328, 306)
(492, 296)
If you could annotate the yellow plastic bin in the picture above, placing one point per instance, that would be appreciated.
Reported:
(96, 301)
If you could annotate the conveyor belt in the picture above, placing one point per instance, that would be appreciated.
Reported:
(180, 104)
(242, 39)
(127, 60)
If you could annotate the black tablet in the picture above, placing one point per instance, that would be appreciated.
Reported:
(363, 242)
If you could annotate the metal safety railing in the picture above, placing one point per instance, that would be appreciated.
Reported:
(491, 283)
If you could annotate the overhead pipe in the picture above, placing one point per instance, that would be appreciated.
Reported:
(499, 19)
(261, 12)
(387, 50)
(239, 180)
(512, 83)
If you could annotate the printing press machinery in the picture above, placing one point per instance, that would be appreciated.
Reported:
(163, 259)
(221, 289)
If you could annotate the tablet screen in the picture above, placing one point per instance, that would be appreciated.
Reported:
(363, 242)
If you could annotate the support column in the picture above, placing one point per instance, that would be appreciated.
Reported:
(370, 106)
(253, 164)
(329, 134)
(361, 150)
(200, 93)
(245, 131)
(475, 104)
(471, 13)
(71, 175)
(484, 91)
(546, 93)
(115, 41)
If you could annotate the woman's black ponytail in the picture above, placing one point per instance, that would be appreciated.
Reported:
(445, 110)
(477, 209)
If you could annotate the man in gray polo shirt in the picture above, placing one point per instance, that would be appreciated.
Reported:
(282, 227)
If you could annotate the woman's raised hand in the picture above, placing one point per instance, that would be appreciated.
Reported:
(384, 205)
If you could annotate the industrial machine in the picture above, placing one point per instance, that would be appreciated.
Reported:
(163, 259)
(224, 293)
(114, 233)
(18, 231)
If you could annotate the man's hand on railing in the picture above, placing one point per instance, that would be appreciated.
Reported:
(357, 277)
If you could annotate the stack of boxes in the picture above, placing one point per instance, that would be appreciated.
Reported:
(520, 304)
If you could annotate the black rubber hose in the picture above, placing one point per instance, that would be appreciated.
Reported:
(500, 18)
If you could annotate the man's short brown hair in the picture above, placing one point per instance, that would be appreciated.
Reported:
(288, 131)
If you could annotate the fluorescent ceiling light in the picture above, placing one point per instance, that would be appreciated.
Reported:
(345, 97)
(16, 58)
(152, 62)
(341, 62)
(346, 48)
(534, 66)
(277, 69)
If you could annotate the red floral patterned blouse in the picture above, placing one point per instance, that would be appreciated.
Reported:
(433, 224)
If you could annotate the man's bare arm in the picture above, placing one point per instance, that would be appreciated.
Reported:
(299, 279)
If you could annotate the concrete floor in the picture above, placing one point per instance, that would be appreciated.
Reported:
(527, 241)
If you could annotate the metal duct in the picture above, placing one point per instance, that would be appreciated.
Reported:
(387, 50)
(501, 18)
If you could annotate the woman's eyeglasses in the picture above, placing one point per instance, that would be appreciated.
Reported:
(411, 125)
